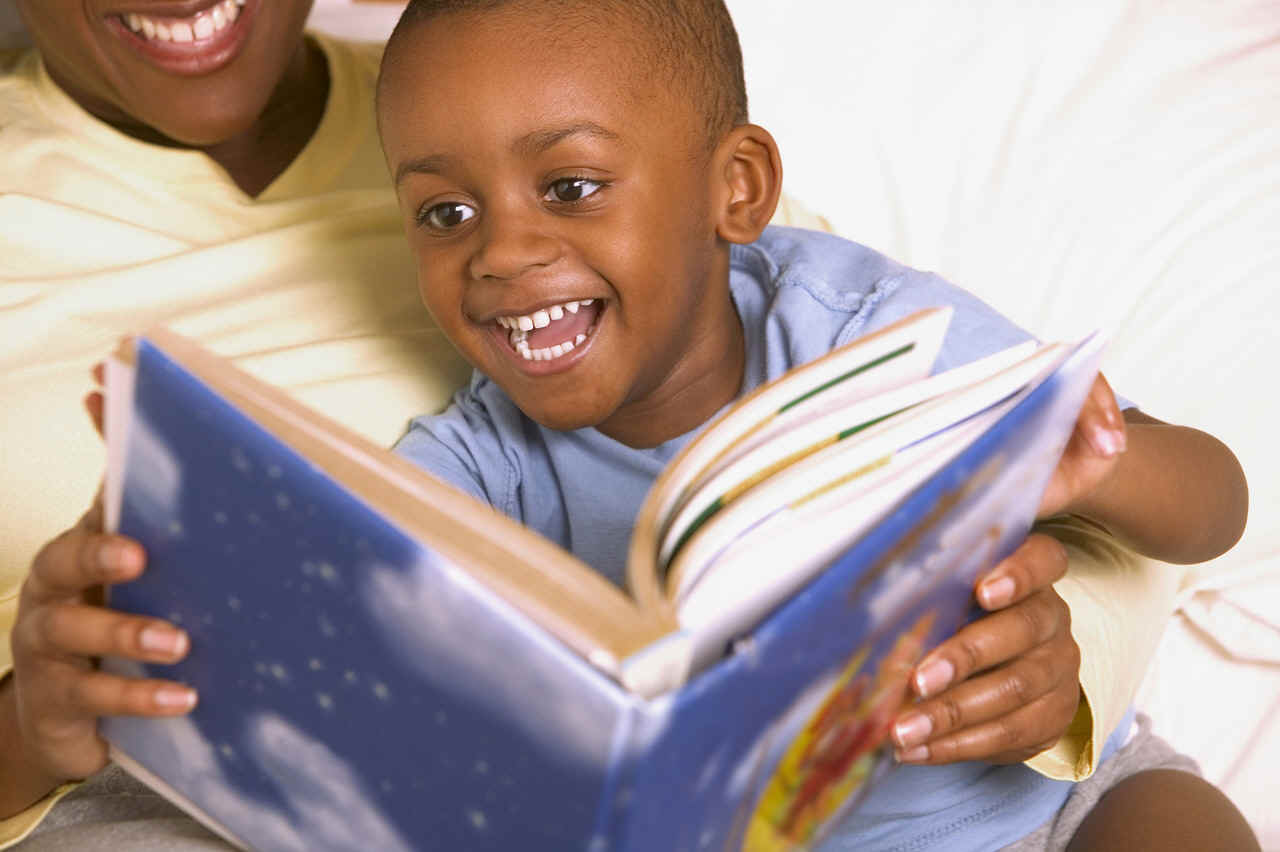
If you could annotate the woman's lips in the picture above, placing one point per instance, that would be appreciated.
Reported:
(199, 43)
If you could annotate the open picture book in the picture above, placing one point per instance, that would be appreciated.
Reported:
(384, 662)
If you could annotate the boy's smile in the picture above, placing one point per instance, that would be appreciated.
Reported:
(563, 214)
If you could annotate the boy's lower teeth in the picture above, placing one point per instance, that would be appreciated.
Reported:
(520, 343)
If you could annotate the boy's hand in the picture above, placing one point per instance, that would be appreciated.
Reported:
(1006, 686)
(61, 628)
(1091, 453)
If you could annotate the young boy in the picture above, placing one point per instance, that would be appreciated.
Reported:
(587, 205)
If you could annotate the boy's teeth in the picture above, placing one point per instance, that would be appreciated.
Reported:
(542, 318)
(548, 353)
(198, 27)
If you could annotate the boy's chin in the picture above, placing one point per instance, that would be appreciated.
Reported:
(562, 418)
(562, 421)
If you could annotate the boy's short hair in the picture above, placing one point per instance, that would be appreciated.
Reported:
(690, 44)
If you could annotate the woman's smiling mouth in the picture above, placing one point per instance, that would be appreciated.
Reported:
(198, 27)
(197, 43)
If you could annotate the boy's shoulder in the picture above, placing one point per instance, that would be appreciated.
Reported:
(802, 254)
(814, 291)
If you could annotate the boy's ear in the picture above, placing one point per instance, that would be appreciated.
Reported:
(748, 171)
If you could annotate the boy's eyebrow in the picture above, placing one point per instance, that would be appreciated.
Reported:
(432, 165)
(540, 140)
(531, 143)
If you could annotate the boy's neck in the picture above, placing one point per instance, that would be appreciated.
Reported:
(703, 382)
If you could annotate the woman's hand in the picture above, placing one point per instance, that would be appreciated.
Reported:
(1091, 454)
(1006, 686)
(61, 628)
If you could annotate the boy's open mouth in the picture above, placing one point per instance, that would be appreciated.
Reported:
(552, 332)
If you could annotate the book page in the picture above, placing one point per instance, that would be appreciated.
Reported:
(816, 471)
(799, 433)
(117, 420)
(892, 356)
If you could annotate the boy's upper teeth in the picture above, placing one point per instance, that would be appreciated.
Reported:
(542, 318)
(198, 27)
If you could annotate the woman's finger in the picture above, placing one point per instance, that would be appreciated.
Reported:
(78, 630)
(987, 698)
(79, 559)
(93, 694)
(1039, 562)
(1009, 738)
(991, 641)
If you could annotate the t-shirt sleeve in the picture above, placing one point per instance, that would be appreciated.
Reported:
(425, 448)
(976, 329)
(463, 447)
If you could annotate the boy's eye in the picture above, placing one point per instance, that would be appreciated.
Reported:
(448, 215)
(572, 189)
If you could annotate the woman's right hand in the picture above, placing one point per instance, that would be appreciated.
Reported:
(61, 629)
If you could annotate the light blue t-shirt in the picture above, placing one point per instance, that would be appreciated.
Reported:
(799, 294)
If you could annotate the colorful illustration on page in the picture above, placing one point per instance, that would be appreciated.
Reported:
(835, 752)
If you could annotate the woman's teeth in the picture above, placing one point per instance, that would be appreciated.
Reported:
(198, 27)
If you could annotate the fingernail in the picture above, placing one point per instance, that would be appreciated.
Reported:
(997, 593)
(934, 677)
(163, 640)
(912, 730)
(116, 558)
(912, 755)
(175, 698)
(1106, 441)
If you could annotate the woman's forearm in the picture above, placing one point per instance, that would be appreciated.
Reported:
(1177, 494)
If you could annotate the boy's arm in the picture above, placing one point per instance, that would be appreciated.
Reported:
(1175, 494)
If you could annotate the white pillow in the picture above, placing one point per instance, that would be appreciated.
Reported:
(1077, 165)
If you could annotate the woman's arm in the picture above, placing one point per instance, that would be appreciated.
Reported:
(1169, 492)
(1176, 494)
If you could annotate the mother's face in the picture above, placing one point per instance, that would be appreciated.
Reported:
(198, 72)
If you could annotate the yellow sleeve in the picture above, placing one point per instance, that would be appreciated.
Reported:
(17, 827)
(1120, 602)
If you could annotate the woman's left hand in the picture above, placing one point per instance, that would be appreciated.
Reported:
(1006, 686)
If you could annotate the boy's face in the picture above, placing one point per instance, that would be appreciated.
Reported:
(195, 71)
(544, 184)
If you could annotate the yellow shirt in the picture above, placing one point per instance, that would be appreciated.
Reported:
(310, 286)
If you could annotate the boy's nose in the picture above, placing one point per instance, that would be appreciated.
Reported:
(512, 245)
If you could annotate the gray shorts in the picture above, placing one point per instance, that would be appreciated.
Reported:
(1141, 752)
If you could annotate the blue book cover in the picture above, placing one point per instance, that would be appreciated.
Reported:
(362, 687)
